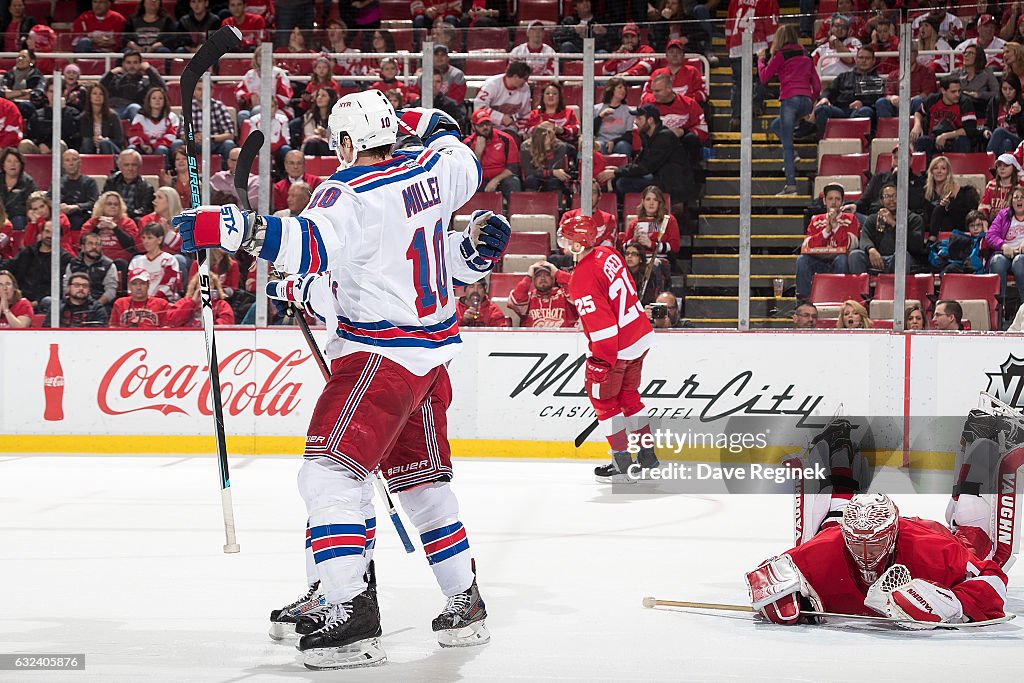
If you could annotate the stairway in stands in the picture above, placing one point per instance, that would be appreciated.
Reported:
(712, 280)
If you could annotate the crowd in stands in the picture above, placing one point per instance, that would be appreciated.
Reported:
(652, 130)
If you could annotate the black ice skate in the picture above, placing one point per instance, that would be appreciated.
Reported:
(283, 621)
(647, 459)
(616, 471)
(315, 619)
(348, 638)
(461, 623)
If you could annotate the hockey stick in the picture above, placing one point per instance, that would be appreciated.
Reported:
(650, 603)
(220, 43)
(393, 513)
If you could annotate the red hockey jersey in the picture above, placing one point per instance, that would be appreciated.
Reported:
(929, 552)
(682, 112)
(551, 309)
(611, 314)
(631, 66)
(687, 81)
(759, 16)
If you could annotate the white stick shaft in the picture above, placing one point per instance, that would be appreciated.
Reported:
(230, 542)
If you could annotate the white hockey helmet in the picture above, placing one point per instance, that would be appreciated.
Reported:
(367, 117)
(869, 526)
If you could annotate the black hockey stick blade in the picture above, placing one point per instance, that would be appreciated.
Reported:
(585, 433)
(243, 169)
(226, 39)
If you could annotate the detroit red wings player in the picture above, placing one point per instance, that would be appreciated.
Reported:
(619, 334)
(876, 562)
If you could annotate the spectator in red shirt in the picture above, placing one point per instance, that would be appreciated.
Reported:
(630, 66)
(15, 311)
(187, 311)
(680, 114)
(252, 26)
(498, 155)
(607, 223)
(833, 230)
(475, 309)
(541, 299)
(101, 29)
(118, 232)
(320, 77)
(139, 309)
(946, 122)
(12, 125)
(40, 212)
(884, 39)
(654, 228)
(389, 80)
(922, 84)
(295, 171)
(552, 109)
(15, 26)
(686, 79)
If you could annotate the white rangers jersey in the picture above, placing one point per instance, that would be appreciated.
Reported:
(380, 234)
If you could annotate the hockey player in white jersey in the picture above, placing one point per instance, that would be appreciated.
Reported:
(378, 230)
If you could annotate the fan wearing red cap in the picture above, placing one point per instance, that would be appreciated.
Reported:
(630, 66)
(498, 154)
(988, 41)
(619, 336)
(686, 79)
(138, 309)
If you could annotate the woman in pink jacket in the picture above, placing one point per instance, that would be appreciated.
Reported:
(1005, 239)
(800, 86)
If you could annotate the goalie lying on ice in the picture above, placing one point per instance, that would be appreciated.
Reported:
(861, 557)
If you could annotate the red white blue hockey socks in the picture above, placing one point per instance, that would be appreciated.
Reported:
(434, 510)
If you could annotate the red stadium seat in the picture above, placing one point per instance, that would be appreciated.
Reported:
(38, 10)
(485, 67)
(152, 164)
(482, 201)
(322, 166)
(38, 320)
(234, 67)
(606, 203)
(487, 39)
(572, 69)
(503, 283)
(572, 93)
(124, 7)
(889, 127)
(884, 324)
(918, 163)
(542, 10)
(395, 9)
(225, 92)
(174, 93)
(845, 164)
(980, 163)
(849, 129)
(960, 286)
(40, 167)
(543, 203)
(97, 164)
(919, 287)
(829, 288)
(538, 243)
(633, 95)
(63, 12)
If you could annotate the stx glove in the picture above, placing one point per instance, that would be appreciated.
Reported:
(427, 124)
(207, 227)
(486, 240)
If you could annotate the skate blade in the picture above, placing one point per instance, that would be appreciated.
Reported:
(467, 636)
(282, 631)
(615, 479)
(367, 652)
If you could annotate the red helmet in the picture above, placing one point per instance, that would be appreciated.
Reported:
(579, 229)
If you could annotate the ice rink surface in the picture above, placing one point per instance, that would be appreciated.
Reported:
(120, 558)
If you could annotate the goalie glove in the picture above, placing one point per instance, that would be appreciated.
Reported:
(485, 241)
(777, 589)
(925, 602)
(223, 227)
(427, 124)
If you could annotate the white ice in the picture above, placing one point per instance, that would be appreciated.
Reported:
(120, 558)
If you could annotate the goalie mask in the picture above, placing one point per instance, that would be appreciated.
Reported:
(870, 525)
(367, 117)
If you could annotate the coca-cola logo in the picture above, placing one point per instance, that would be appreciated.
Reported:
(132, 385)
(53, 381)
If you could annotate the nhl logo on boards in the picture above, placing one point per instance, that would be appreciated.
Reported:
(1007, 384)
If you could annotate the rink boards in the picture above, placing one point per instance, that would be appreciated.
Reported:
(518, 393)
